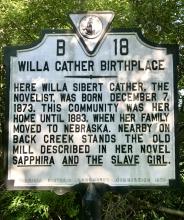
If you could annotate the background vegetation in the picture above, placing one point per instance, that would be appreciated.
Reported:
(161, 21)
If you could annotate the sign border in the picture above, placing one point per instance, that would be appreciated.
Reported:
(12, 51)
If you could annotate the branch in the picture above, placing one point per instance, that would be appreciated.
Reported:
(171, 211)
(164, 209)
(158, 208)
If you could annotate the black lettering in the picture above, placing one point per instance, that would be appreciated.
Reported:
(94, 160)
(60, 47)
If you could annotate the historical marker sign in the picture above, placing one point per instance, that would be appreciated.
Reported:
(91, 106)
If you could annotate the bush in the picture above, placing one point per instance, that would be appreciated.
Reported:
(34, 205)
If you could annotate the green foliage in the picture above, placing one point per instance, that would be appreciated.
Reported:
(57, 204)
(26, 206)
(139, 205)
(37, 205)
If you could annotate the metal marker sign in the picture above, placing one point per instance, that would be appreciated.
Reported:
(91, 107)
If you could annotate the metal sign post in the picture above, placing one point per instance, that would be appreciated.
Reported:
(91, 106)
(91, 204)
